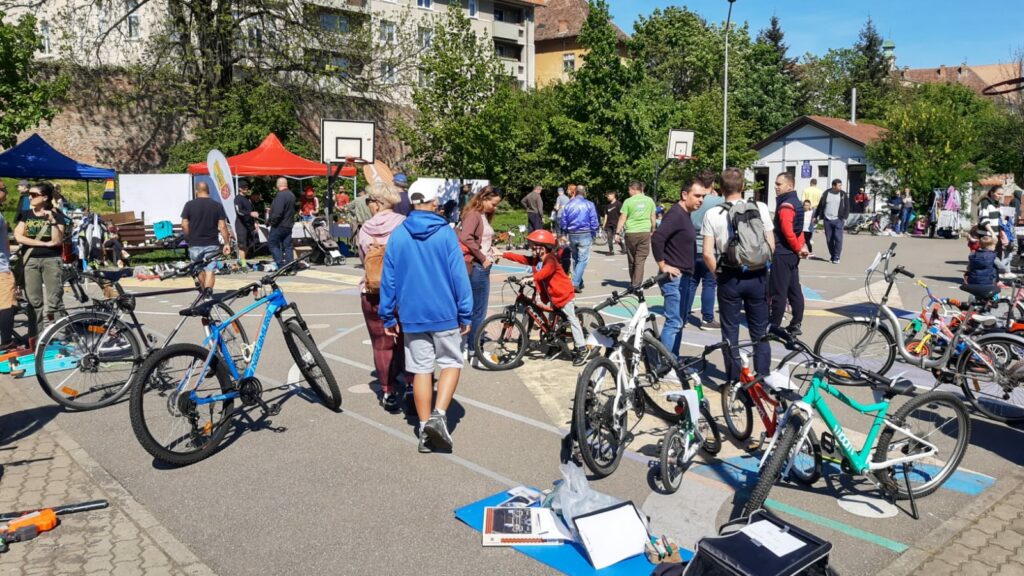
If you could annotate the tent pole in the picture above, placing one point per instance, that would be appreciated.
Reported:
(88, 198)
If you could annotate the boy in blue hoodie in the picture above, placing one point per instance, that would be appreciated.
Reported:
(424, 281)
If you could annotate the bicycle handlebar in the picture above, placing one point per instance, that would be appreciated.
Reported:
(192, 268)
(903, 271)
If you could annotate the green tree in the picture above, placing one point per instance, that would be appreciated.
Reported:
(870, 74)
(25, 98)
(824, 85)
(766, 89)
(679, 48)
(934, 138)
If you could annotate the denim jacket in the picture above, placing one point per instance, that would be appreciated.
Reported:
(579, 216)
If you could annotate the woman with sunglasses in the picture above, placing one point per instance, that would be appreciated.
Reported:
(477, 237)
(40, 233)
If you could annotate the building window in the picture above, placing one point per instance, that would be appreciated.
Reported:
(471, 8)
(101, 20)
(133, 18)
(387, 32)
(568, 63)
(500, 51)
(424, 4)
(426, 37)
(499, 14)
(333, 22)
(44, 33)
(823, 171)
(388, 73)
(422, 78)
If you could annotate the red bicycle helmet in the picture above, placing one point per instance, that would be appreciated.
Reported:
(542, 237)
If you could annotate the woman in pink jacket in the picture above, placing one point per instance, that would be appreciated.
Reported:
(388, 357)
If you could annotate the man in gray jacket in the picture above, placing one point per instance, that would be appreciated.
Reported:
(534, 205)
(833, 208)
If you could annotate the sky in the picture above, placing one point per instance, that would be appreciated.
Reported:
(927, 33)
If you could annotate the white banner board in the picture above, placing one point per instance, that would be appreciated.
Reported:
(158, 196)
(223, 185)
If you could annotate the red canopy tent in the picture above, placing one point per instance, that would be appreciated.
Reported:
(270, 158)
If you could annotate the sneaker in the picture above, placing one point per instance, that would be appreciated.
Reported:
(423, 448)
(794, 330)
(712, 325)
(389, 401)
(578, 290)
(436, 429)
(580, 356)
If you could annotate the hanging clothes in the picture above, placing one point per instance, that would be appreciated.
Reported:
(952, 199)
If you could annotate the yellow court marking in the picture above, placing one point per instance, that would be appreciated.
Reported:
(226, 284)
(331, 276)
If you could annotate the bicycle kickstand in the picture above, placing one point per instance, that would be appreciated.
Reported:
(913, 502)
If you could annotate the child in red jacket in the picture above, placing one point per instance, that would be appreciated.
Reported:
(553, 284)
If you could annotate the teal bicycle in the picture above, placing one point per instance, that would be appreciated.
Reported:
(183, 400)
(907, 454)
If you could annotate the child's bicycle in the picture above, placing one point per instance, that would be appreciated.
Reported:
(183, 399)
(504, 338)
(907, 454)
(695, 428)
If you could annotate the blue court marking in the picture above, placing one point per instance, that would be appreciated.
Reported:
(810, 294)
(505, 269)
(740, 472)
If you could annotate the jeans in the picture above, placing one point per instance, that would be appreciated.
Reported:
(675, 291)
(579, 243)
(744, 292)
(896, 221)
(480, 282)
(785, 287)
(834, 237)
(280, 243)
(638, 246)
(39, 272)
(609, 234)
(701, 274)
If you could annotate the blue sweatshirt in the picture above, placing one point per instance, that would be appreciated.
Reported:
(424, 281)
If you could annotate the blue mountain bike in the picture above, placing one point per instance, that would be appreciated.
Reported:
(183, 400)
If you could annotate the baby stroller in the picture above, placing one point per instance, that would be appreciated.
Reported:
(325, 248)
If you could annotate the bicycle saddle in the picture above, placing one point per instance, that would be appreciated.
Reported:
(981, 291)
(896, 387)
(610, 331)
(200, 310)
(112, 275)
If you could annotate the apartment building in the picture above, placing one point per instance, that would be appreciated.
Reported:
(115, 32)
(558, 51)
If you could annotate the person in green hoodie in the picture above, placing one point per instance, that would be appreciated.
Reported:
(424, 277)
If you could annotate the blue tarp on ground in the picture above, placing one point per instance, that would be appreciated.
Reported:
(34, 158)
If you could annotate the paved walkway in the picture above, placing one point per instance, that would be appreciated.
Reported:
(42, 466)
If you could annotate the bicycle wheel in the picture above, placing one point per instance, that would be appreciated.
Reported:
(601, 445)
(167, 421)
(501, 342)
(709, 431)
(674, 463)
(936, 417)
(773, 467)
(996, 392)
(85, 361)
(311, 364)
(660, 367)
(234, 335)
(806, 460)
(736, 409)
(589, 319)
(856, 342)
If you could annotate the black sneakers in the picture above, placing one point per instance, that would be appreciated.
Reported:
(436, 432)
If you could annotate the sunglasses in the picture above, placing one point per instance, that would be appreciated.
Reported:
(34, 194)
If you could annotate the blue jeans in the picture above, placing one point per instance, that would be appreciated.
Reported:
(745, 293)
(701, 274)
(280, 243)
(676, 293)
(480, 282)
(580, 246)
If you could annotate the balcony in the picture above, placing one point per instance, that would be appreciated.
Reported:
(509, 32)
(513, 68)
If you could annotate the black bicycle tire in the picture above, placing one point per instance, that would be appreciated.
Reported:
(773, 467)
(579, 422)
(665, 461)
(815, 474)
(523, 346)
(327, 390)
(899, 418)
(237, 324)
(663, 353)
(137, 413)
(748, 413)
(890, 342)
(712, 445)
(44, 341)
(594, 315)
(961, 370)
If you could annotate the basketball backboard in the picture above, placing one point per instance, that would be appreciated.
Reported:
(341, 139)
(680, 143)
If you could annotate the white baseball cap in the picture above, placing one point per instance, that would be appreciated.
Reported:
(422, 192)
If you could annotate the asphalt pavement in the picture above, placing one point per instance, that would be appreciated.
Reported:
(312, 491)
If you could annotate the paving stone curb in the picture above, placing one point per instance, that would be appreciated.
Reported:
(942, 535)
(186, 561)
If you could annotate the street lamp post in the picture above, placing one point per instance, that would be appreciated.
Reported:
(725, 90)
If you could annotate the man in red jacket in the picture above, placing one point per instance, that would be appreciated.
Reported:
(789, 250)
(553, 284)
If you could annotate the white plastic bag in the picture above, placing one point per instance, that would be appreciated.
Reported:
(573, 496)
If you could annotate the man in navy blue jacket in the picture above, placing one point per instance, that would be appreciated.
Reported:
(424, 280)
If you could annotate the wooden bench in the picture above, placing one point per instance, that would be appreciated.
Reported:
(135, 234)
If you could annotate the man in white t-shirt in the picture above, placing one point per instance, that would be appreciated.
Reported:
(738, 289)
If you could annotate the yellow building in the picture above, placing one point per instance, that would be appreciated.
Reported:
(558, 52)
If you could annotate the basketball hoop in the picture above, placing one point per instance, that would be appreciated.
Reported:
(1004, 87)
(684, 157)
(350, 168)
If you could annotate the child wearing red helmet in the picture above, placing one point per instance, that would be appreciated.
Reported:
(552, 283)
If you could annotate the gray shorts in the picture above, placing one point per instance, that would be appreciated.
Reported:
(199, 253)
(424, 349)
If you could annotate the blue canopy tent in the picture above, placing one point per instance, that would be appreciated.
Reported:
(34, 158)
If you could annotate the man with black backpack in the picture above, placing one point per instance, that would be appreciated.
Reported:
(738, 245)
